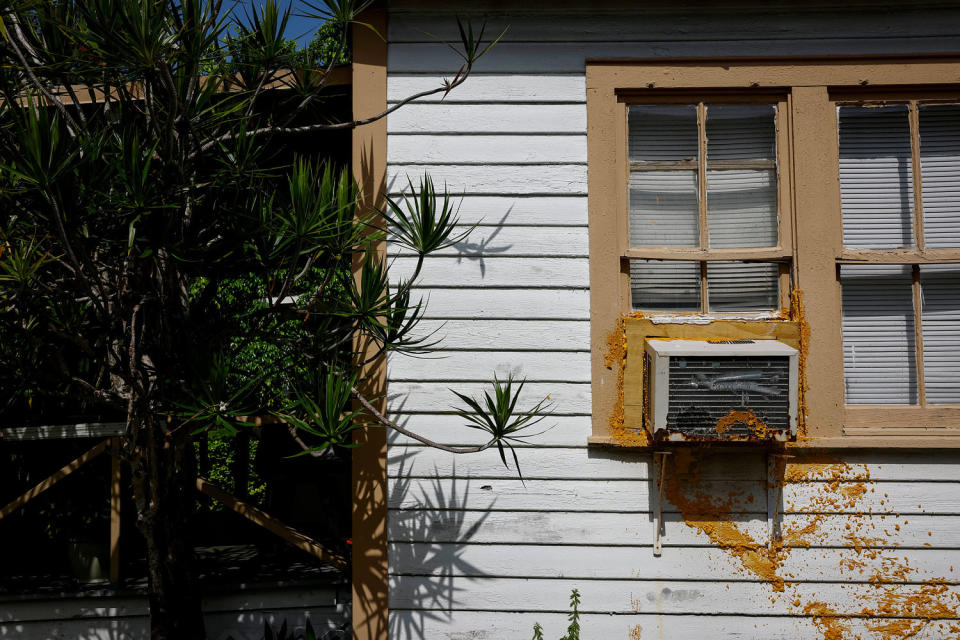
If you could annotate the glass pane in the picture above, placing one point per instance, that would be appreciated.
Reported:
(879, 363)
(665, 286)
(741, 132)
(663, 209)
(940, 159)
(940, 316)
(742, 286)
(742, 208)
(876, 177)
(663, 133)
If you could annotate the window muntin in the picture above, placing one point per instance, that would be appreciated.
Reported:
(703, 176)
(899, 164)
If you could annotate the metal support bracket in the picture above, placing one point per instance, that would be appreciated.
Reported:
(659, 474)
(776, 463)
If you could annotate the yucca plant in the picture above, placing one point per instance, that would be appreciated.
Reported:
(167, 259)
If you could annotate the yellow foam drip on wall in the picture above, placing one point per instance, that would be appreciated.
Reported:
(892, 609)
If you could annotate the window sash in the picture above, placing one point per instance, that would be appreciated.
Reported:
(691, 199)
(932, 168)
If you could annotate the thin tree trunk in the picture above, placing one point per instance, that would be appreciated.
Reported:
(165, 477)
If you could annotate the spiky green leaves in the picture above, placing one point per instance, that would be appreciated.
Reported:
(324, 411)
(497, 415)
(20, 261)
(422, 220)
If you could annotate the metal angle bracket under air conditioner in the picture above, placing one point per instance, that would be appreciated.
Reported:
(720, 390)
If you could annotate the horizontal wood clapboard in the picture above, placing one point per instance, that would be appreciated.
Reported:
(512, 624)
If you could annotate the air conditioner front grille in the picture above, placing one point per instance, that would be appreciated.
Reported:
(703, 390)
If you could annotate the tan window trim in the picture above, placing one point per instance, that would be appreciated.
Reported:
(813, 87)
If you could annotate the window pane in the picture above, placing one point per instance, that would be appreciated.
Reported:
(663, 209)
(940, 159)
(665, 286)
(664, 133)
(742, 208)
(742, 286)
(876, 177)
(879, 362)
(741, 132)
(941, 332)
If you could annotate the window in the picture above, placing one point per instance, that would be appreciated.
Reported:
(717, 188)
(704, 184)
(899, 167)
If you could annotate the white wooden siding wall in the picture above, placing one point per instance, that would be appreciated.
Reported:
(474, 552)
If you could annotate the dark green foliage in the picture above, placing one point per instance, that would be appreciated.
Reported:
(174, 254)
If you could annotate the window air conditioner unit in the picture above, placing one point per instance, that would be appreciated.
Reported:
(720, 389)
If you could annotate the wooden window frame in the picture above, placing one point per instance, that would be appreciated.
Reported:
(810, 215)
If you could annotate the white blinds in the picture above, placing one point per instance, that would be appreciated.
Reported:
(742, 208)
(663, 209)
(940, 322)
(741, 132)
(742, 286)
(665, 286)
(940, 162)
(741, 199)
(663, 133)
(876, 177)
(879, 359)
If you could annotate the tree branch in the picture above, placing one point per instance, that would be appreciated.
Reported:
(340, 126)
(326, 454)
(387, 422)
(30, 74)
(110, 397)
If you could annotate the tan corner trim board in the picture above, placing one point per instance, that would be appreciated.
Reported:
(369, 467)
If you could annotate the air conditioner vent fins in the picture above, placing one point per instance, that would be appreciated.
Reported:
(720, 389)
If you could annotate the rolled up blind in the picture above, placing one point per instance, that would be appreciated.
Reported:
(879, 358)
(876, 177)
(742, 208)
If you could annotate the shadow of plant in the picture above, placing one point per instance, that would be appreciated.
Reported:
(426, 533)
(477, 250)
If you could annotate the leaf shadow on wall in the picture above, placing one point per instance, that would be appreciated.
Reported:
(427, 528)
